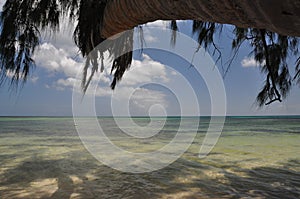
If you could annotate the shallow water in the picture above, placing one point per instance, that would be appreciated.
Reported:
(254, 158)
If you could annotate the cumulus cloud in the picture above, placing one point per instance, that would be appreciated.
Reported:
(149, 37)
(55, 59)
(61, 84)
(144, 98)
(159, 23)
(145, 71)
(32, 78)
(58, 60)
(59, 55)
(248, 62)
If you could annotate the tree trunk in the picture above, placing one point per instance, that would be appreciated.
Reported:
(281, 16)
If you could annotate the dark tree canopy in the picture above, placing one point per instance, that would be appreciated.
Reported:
(22, 22)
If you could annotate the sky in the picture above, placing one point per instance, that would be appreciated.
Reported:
(160, 82)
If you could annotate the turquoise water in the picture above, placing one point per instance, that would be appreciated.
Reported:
(256, 157)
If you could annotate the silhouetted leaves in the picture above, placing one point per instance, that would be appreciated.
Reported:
(206, 31)
(297, 76)
(18, 39)
(174, 28)
(22, 20)
(271, 51)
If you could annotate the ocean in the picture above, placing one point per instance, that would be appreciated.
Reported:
(255, 157)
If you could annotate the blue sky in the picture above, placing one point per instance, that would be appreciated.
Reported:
(48, 91)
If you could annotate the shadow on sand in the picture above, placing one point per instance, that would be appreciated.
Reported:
(75, 177)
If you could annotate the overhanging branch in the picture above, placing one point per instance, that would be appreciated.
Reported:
(121, 15)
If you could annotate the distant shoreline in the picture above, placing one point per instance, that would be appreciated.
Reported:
(228, 117)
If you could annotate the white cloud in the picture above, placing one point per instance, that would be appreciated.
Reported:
(59, 55)
(56, 60)
(140, 101)
(34, 79)
(142, 72)
(248, 62)
(145, 71)
(148, 34)
(1, 4)
(174, 73)
(159, 23)
(150, 29)
(145, 98)
(150, 38)
(164, 24)
(66, 82)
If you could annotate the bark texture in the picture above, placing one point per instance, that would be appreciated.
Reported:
(281, 16)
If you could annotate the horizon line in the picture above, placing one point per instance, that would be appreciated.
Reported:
(147, 116)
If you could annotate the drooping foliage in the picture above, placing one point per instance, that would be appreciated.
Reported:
(271, 51)
(22, 22)
(297, 76)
